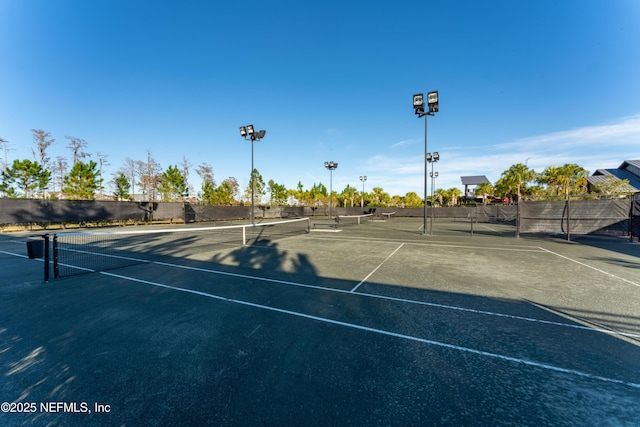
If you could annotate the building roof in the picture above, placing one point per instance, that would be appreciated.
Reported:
(626, 163)
(474, 180)
(629, 170)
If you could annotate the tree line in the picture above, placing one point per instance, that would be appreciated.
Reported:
(81, 178)
(554, 182)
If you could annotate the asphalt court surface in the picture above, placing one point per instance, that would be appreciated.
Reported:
(373, 324)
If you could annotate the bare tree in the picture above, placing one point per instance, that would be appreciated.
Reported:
(130, 170)
(186, 165)
(59, 171)
(76, 145)
(42, 140)
(102, 161)
(205, 172)
(141, 169)
(4, 145)
(150, 175)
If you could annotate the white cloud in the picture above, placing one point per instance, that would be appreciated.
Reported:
(404, 143)
(592, 147)
(624, 132)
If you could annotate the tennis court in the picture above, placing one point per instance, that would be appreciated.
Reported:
(371, 324)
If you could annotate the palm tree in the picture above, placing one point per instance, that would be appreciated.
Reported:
(349, 193)
(453, 194)
(412, 200)
(549, 177)
(440, 195)
(574, 179)
(379, 196)
(514, 179)
(569, 177)
(483, 190)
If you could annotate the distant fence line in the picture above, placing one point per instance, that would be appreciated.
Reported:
(612, 216)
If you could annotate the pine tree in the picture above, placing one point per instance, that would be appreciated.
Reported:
(82, 182)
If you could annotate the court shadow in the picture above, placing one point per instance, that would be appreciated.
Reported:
(610, 243)
(264, 254)
(618, 261)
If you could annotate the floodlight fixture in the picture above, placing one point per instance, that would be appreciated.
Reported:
(432, 100)
(243, 131)
(331, 165)
(250, 129)
(418, 101)
(436, 156)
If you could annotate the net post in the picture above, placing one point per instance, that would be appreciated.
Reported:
(56, 270)
(46, 257)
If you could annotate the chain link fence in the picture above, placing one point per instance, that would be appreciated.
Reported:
(619, 216)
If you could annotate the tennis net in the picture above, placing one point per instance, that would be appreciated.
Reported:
(85, 252)
(345, 220)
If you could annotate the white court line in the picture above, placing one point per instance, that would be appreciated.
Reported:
(14, 254)
(489, 228)
(387, 333)
(403, 300)
(510, 248)
(383, 297)
(376, 269)
(591, 267)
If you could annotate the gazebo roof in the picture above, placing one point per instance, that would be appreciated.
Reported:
(474, 180)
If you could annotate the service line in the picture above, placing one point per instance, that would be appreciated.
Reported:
(388, 333)
(376, 269)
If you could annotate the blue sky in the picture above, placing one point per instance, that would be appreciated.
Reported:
(542, 82)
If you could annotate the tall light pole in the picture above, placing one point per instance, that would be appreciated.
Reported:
(363, 178)
(248, 133)
(432, 159)
(419, 107)
(331, 166)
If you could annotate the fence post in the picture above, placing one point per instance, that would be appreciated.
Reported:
(471, 226)
(46, 257)
(568, 218)
(56, 268)
(518, 216)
